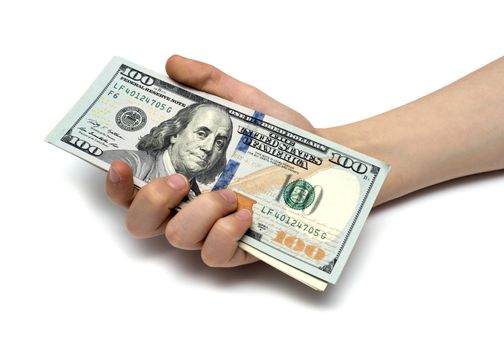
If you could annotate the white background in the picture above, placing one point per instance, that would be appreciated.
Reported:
(426, 271)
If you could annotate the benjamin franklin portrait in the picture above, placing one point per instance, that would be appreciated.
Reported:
(192, 143)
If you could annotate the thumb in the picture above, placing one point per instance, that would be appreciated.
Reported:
(205, 77)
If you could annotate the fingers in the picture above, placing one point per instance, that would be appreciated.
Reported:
(152, 207)
(209, 222)
(188, 229)
(221, 245)
(119, 184)
(205, 77)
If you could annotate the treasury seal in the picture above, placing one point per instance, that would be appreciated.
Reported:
(131, 118)
(299, 194)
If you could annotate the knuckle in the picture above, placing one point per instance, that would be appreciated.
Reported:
(155, 193)
(229, 229)
(225, 228)
(217, 202)
(210, 260)
(133, 228)
(172, 234)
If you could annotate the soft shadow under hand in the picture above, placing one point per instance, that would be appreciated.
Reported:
(258, 275)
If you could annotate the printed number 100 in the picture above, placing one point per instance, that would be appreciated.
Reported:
(299, 245)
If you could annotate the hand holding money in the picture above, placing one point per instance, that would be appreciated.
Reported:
(309, 197)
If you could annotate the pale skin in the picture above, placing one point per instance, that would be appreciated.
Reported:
(453, 132)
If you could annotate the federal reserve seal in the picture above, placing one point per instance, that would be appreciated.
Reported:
(131, 118)
(299, 194)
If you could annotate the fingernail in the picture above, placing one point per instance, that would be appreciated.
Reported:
(244, 214)
(114, 176)
(228, 195)
(177, 181)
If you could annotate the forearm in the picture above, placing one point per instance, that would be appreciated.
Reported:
(453, 132)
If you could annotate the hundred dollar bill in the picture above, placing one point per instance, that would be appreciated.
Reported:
(309, 196)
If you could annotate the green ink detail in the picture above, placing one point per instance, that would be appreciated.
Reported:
(299, 194)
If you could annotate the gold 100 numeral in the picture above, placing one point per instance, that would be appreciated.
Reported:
(298, 245)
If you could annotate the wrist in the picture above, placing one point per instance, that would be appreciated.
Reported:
(369, 137)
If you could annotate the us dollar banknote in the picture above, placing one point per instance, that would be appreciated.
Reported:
(309, 196)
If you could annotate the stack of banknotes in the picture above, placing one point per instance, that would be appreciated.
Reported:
(309, 196)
